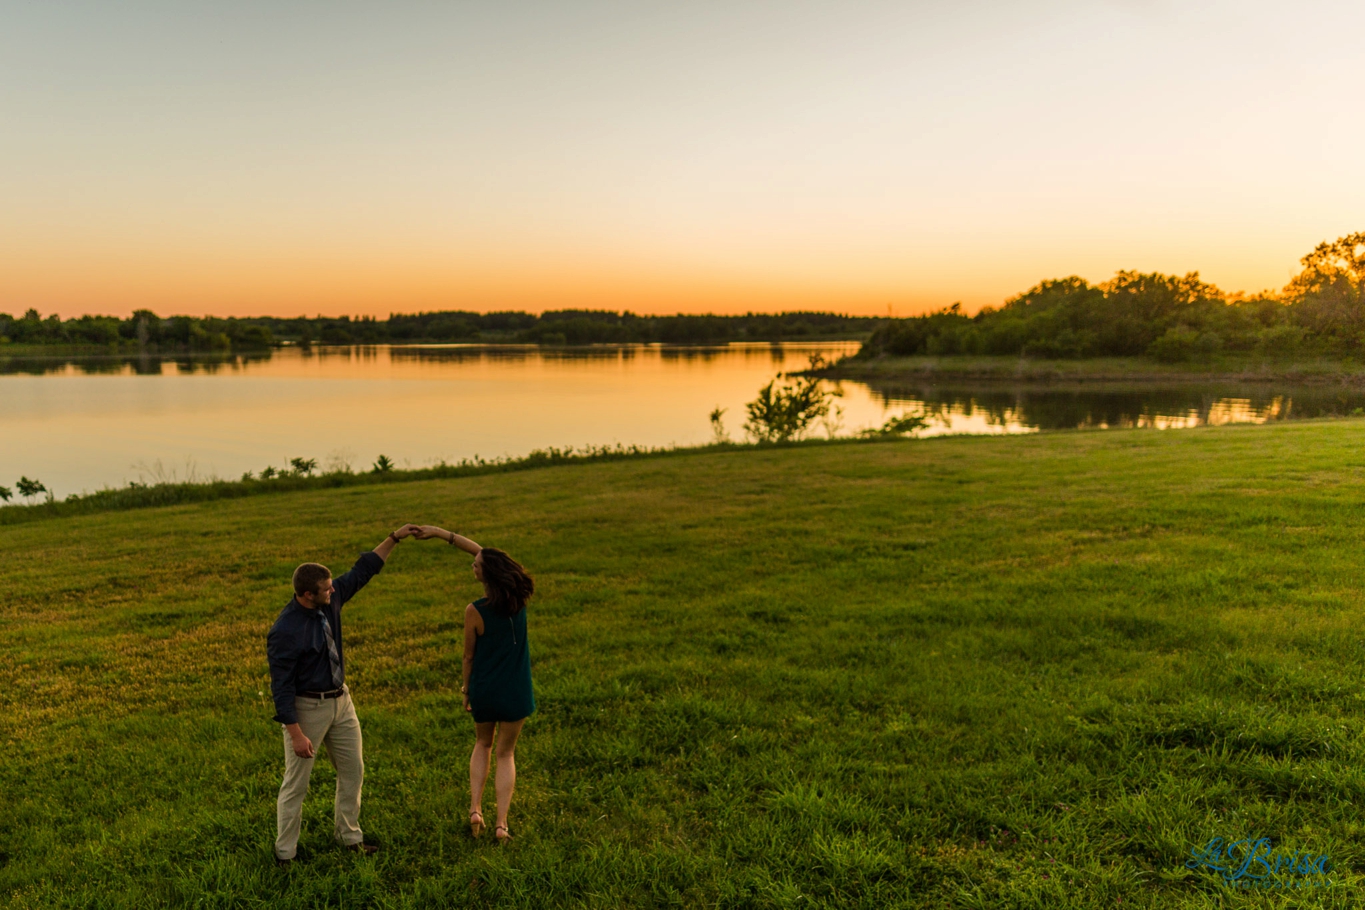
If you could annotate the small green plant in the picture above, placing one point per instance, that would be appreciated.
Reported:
(29, 488)
(382, 465)
(304, 466)
(783, 413)
(718, 425)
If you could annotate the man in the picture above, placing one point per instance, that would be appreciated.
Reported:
(312, 701)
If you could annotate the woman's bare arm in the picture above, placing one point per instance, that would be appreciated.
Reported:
(427, 532)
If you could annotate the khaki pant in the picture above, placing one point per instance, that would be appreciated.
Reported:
(331, 721)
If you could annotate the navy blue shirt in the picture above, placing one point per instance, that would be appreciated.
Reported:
(297, 647)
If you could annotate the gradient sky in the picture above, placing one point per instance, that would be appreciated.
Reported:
(249, 158)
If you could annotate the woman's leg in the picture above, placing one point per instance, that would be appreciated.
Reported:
(478, 764)
(505, 779)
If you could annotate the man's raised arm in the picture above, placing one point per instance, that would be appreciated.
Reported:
(385, 548)
(368, 566)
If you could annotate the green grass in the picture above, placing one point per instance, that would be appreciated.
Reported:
(963, 672)
(1223, 367)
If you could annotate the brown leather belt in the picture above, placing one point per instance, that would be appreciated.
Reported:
(323, 696)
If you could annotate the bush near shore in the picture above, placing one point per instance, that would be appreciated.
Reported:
(964, 672)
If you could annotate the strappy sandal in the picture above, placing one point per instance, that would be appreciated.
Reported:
(475, 822)
(504, 838)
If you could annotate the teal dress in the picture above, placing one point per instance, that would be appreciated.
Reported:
(500, 680)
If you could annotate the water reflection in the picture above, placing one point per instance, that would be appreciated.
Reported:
(126, 364)
(1105, 406)
(775, 353)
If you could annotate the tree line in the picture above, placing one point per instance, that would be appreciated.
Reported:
(145, 330)
(1166, 317)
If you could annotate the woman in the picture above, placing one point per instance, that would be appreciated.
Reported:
(497, 671)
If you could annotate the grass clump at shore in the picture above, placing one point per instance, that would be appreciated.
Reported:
(965, 672)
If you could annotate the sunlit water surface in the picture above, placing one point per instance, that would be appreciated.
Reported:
(83, 423)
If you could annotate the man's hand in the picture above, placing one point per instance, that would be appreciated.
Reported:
(388, 543)
(429, 532)
(303, 746)
(408, 530)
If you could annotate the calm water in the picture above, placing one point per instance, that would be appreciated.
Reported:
(80, 424)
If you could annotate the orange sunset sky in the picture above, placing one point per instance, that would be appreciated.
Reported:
(349, 158)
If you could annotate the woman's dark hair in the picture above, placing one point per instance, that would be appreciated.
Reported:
(509, 586)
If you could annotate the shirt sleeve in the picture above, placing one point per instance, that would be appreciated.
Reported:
(348, 585)
(281, 649)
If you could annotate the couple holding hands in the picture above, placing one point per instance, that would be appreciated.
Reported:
(313, 702)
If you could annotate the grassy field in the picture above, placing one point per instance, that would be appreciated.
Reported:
(1230, 367)
(963, 672)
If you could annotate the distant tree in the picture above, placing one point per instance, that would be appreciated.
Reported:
(29, 488)
(146, 327)
(1328, 296)
(6, 493)
(304, 466)
(267, 472)
(244, 336)
(1343, 260)
(382, 465)
(1139, 308)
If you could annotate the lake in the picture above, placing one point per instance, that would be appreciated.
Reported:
(78, 424)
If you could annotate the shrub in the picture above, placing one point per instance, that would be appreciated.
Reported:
(1179, 344)
(782, 413)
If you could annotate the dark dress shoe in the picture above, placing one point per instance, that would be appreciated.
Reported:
(363, 849)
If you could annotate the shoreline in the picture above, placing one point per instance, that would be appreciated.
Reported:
(171, 493)
(1014, 370)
